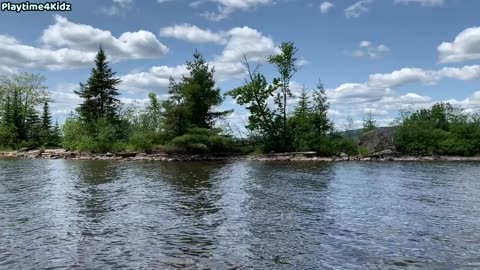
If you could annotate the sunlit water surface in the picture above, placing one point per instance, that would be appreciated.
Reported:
(238, 215)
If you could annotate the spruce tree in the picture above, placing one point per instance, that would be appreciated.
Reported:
(7, 116)
(56, 134)
(46, 120)
(369, 123)
(175, 117)
(100, 92)
(321, 124)
(33, 127)
(200, 93)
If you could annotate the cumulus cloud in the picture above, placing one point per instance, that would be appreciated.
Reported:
(248, 41)
(82, 37)
(379, 85)
(156, 79)
(378, 94)
(357, 9)
(325, 7)
(192, 33)
(425, 3)
(15, 55)
(63, 100)
(465, 47)
(366, 48)
(68, 45)
(228, 65)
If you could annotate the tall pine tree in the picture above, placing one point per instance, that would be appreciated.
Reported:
(100, 92)
(56, 135)
(46, 120)
(201, 94)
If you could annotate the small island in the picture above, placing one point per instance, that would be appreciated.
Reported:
(189, 126)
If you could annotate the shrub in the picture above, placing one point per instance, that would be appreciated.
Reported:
(363, 151)
(140, 141)
(202, 141)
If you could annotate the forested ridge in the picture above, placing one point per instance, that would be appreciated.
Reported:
(188, 120)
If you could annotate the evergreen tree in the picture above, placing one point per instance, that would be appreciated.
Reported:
(46, 117)
(56, 135)
(33, 127)
(19, 93)
(369, 123)
(303, 106)
(176, 115)
(321, 124)
(192, 100)
(200, 93)
(100, 92)
(7, 116)
(46, 125)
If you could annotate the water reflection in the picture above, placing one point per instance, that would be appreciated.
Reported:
(238, 215)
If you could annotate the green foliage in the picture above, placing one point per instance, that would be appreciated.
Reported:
(369, 123)
(19, 121)
(286, 65)
(104, 137)
(363, 151)
(176, 113)
(192, 100)
(441, 129)
(271, 124)
(8, 136)
(140, 141)
(202, 141)
(99, 93)
(310, 120)
(254, 95)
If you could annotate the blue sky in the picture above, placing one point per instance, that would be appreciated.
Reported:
(377, 56)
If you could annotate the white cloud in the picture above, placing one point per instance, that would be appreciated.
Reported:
(424, 3)
(228, 65)
(325, 7)
(366, 48)
(156, 79)
(471, 103)
(248, 41)
(82, 37)
(227, 7)
(357, 9)
(378, 93)
(14, 55)
(193, 34)
(68, 45)
(465, 47)
(63, 100)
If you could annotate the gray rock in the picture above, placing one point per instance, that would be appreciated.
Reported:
(379, 142)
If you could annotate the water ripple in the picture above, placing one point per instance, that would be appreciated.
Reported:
(60, 214)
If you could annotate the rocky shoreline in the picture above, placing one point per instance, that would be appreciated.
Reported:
(161, 156)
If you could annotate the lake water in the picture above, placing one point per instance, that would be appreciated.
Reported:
(238, 215)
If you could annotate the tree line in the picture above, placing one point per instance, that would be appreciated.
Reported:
(188, 120)
(25, 118)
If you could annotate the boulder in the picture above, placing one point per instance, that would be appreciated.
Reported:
(379, 142)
